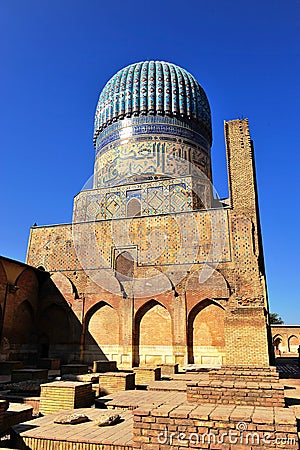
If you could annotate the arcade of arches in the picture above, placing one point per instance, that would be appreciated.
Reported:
(49, 321)
(286, 339)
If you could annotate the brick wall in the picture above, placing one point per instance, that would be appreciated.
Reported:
(214, 427)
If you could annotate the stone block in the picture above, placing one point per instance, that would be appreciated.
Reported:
(74, 369)
(49, 363)
(144, 375)
(168, 369)
(29, 374)
(110, 382)
(6, 367)
(104, 366)
(64, 395)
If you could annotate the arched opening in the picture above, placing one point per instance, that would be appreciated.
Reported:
(277, 342)
(206, 333)
(124, 266)
(23, 324)
(293, 344)
(103, 331)
(54, 323)
(134, 208)
(153, 335)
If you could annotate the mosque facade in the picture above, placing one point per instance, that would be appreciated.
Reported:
(154, 267)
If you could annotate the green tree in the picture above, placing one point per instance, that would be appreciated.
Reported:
(275, 319)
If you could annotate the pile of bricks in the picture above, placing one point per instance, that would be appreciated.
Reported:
(214, 427)
(116, 381)
(144, 375)
(61, 395)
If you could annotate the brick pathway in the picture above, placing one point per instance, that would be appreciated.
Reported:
(135, 399)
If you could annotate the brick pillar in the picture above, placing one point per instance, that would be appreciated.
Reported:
(180, 331)
(246, 328)
(246, 337)
(126, 338)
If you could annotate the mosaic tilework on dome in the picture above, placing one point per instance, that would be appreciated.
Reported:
(152, 87)
(150, 125)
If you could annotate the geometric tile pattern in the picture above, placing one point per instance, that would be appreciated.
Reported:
(156, 197)
(160, 240)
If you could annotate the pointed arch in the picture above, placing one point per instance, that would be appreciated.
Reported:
(24, 323)
(55, 323)
(134, 207)
(206, 333)
(124, 266)
(102, 331)
(153, 342)
(65, 286)
(277, 342)
(293, 343)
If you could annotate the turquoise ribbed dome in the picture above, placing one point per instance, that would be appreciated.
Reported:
(152, 88)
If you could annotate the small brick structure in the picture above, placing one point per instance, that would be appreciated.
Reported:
(249, 385)
(74, 368)
(116, 381)
(245, 373)
(49, 363)
(6, 367)
(236, 393)
(104, 366)
(16, 413)
(168, 369)
(214, 427)
(64, 395)
(29, 374)
(144, 375)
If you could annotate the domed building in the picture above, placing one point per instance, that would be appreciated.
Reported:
(154, 268)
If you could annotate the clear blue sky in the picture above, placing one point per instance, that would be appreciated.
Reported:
(57, 55)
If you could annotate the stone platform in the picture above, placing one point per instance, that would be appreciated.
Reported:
(74, 369)
(6, 367)
(134, 399)
(28, 374)
(43, 433)
(153, 427)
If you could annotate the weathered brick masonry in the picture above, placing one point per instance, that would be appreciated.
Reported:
(153, 268)
(214, 427)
